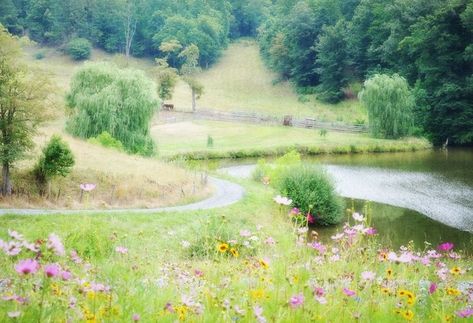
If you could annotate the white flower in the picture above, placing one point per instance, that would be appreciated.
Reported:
(358, 217)
(185, 244)
(282, 200)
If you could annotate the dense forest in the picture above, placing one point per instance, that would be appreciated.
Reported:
(327, 47)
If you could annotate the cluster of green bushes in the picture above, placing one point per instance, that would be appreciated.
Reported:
(105, 139)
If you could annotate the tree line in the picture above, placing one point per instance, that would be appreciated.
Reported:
(329, 46)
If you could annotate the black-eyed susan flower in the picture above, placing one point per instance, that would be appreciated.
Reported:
(264, 264)
(223, 247)
(234, 252)
(456, 270)
(408, 315)
(453, 291)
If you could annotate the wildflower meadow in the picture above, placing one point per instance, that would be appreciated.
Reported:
(265, 265)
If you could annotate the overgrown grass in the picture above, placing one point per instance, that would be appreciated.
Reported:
(230, 140)
(159, 278)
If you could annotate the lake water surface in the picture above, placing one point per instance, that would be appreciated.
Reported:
(421, 196)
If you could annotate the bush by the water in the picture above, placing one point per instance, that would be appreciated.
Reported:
(312, 191)
(105, 139)
(79, 49)
(118, 101)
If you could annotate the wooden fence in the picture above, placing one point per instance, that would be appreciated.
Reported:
(255, 118)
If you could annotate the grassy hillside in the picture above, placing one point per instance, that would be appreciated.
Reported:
(241, 82)
(122, 180)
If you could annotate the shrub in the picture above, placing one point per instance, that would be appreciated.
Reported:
(39, 55)
(79, 49)
(105, 139)
(55, 160)
(118, 101)
(273, 172)
(312, 191)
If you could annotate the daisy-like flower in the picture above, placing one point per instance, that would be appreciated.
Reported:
(282, 200)
(296, 301)
(270, 241)
(27, 266)
(368, 275)
(15, 235)
(456, 271)
(55, 244)
(358, 217)
(121, 250)
(52, 270)
(264, 263)
(223, 247)
(408, 315)
(446, 246)
(349, 292)
(466, 313)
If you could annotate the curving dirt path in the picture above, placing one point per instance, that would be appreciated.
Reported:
(225, 194)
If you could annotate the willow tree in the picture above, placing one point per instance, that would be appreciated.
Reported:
(119, 101)
(22, 106)
(389, 102)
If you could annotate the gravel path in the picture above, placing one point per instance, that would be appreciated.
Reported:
(226, 193)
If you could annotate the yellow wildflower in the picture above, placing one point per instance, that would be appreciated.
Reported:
(234, 252)
(453, 291)
(455, 271)
(263, 263)
(408, 315)
(223, 247)
(257, 294)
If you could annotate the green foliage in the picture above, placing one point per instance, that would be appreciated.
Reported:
(166, 79)
(79, 49)
(312, 191)
(210, 141)
(121, 102)
(389, 103)
(56, 160)
(274, 172)
(105, 139)
(39, 55)
(22, 106)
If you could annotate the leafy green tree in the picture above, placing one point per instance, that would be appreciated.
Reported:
(56, 160)
(389, 102)
(79, 49)
(191, 57)
(22, 107)
(333, 62)
(121, 102)
(167, 78)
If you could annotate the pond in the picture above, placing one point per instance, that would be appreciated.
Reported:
(418, 196)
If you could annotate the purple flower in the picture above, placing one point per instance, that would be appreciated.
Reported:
(318, 246)
(56, 245)
(370, 231)
(446, 246)
(348, 292)
(467, 312)
(310, 218)
(296, 301)
(198, 273)
(136, 317)
(27, 266)
(75, 257)
(432, 288)
(52, 270)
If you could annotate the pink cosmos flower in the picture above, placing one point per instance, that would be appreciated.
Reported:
(87, 187)
(318, 246)
(282, 200)
(52, 270)
(310, 218)
(337, 236)
(296, 301)
(136, 317)
(27, 266)
(270, 241)
(368, 275)
(13, 248)
(198, 273)
(14, 314)
(258, 312)
(31, 246)
(15, 235)
(348, 292)
(121, 250)
(75, 257)
(319, 295)
(56, 245)
(466, 313)
(245, 233)
(370, 231)
(446, 246)
(66, 275)
(432, 288)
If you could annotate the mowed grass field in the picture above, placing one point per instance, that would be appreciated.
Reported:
(191, 137)
(241, 82)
